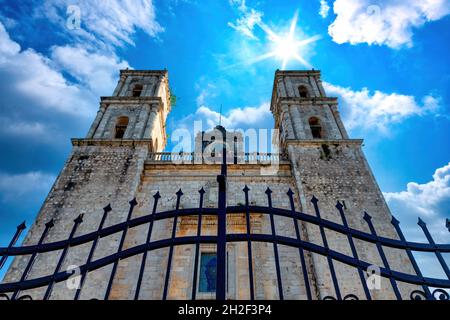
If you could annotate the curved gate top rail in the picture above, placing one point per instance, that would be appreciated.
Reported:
(221, 239)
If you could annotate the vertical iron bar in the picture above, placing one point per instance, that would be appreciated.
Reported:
(314, 201)
(27, 270)
(222, 224)
(91, 252)
(221, 240)
(156, 196)
(249, 244)
(13, 241)
(396, 225)
(340, 208)
(275, 245)
(197, 244)
(300, 249)
(77, 222)
(438, 254)
(133, 203)
(368, 219)
(174, 233)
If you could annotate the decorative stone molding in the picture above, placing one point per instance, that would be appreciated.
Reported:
(308, 101)
(318, 142)
(76, 142)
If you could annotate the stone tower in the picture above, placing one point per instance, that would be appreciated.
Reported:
(105, 167)
(329, 165)
(136, 111)
(121, 158)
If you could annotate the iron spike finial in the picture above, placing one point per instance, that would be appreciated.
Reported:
(156, 195)
(339, 205)
(290, 193)
(179, 193)
(394, 221)
(314, 199)
(107, 208)
(50, 224)
(79, 219)
(133, 202)
(22, 226)
(202, 191)
(421, 223)
(268, 191)
(246, 189)
(367, 217)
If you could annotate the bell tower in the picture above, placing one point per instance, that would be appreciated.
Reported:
(330, 166)
(137, 110)
(302, 110)
(104, 167)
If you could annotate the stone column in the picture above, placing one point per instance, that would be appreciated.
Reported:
(320, 86)
(286, 121)
(97, 120)
(281, 89)
(157, 86)
(337, 118)
(143, 118)
(297, 122)
(151, 122)
(119, 85)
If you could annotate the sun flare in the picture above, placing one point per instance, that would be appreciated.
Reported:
(286, 47)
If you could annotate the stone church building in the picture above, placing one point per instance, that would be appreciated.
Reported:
(122, 157)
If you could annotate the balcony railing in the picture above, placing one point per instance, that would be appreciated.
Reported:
(199, 158)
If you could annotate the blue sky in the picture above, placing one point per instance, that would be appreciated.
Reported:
(386, 61)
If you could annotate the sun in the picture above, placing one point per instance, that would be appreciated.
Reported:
(286, 47)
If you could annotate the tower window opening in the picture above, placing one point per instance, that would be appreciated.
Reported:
(303, 91)
(316, 128)
(213, 153)
(235, 150)
(121, 127)
(208, 275)
(137, 90)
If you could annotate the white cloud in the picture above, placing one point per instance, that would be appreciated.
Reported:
(112, 22)
(246, 23)
(10, 126)
(207, 91)
(99, 72)
(363, 109)
(20, 187)
(205, 118)
(430, 201)
(30, 75)
(8, 47)
(383, 22)
(248, 19)
(237, 118)
(324, 8)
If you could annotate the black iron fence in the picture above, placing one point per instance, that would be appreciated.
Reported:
(431, 288)
(13, 290)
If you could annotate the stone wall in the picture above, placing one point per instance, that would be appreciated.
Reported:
(337, 171)
(93, 176)
(168, 179)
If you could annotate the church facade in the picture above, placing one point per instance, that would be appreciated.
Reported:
(121, 158)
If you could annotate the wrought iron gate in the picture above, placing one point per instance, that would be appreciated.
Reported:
(432, 288)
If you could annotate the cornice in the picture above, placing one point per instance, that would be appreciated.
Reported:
(144, 72)
(310, 73)
(130, 100)
(319, 142)
(308, 101)
(82, 142)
